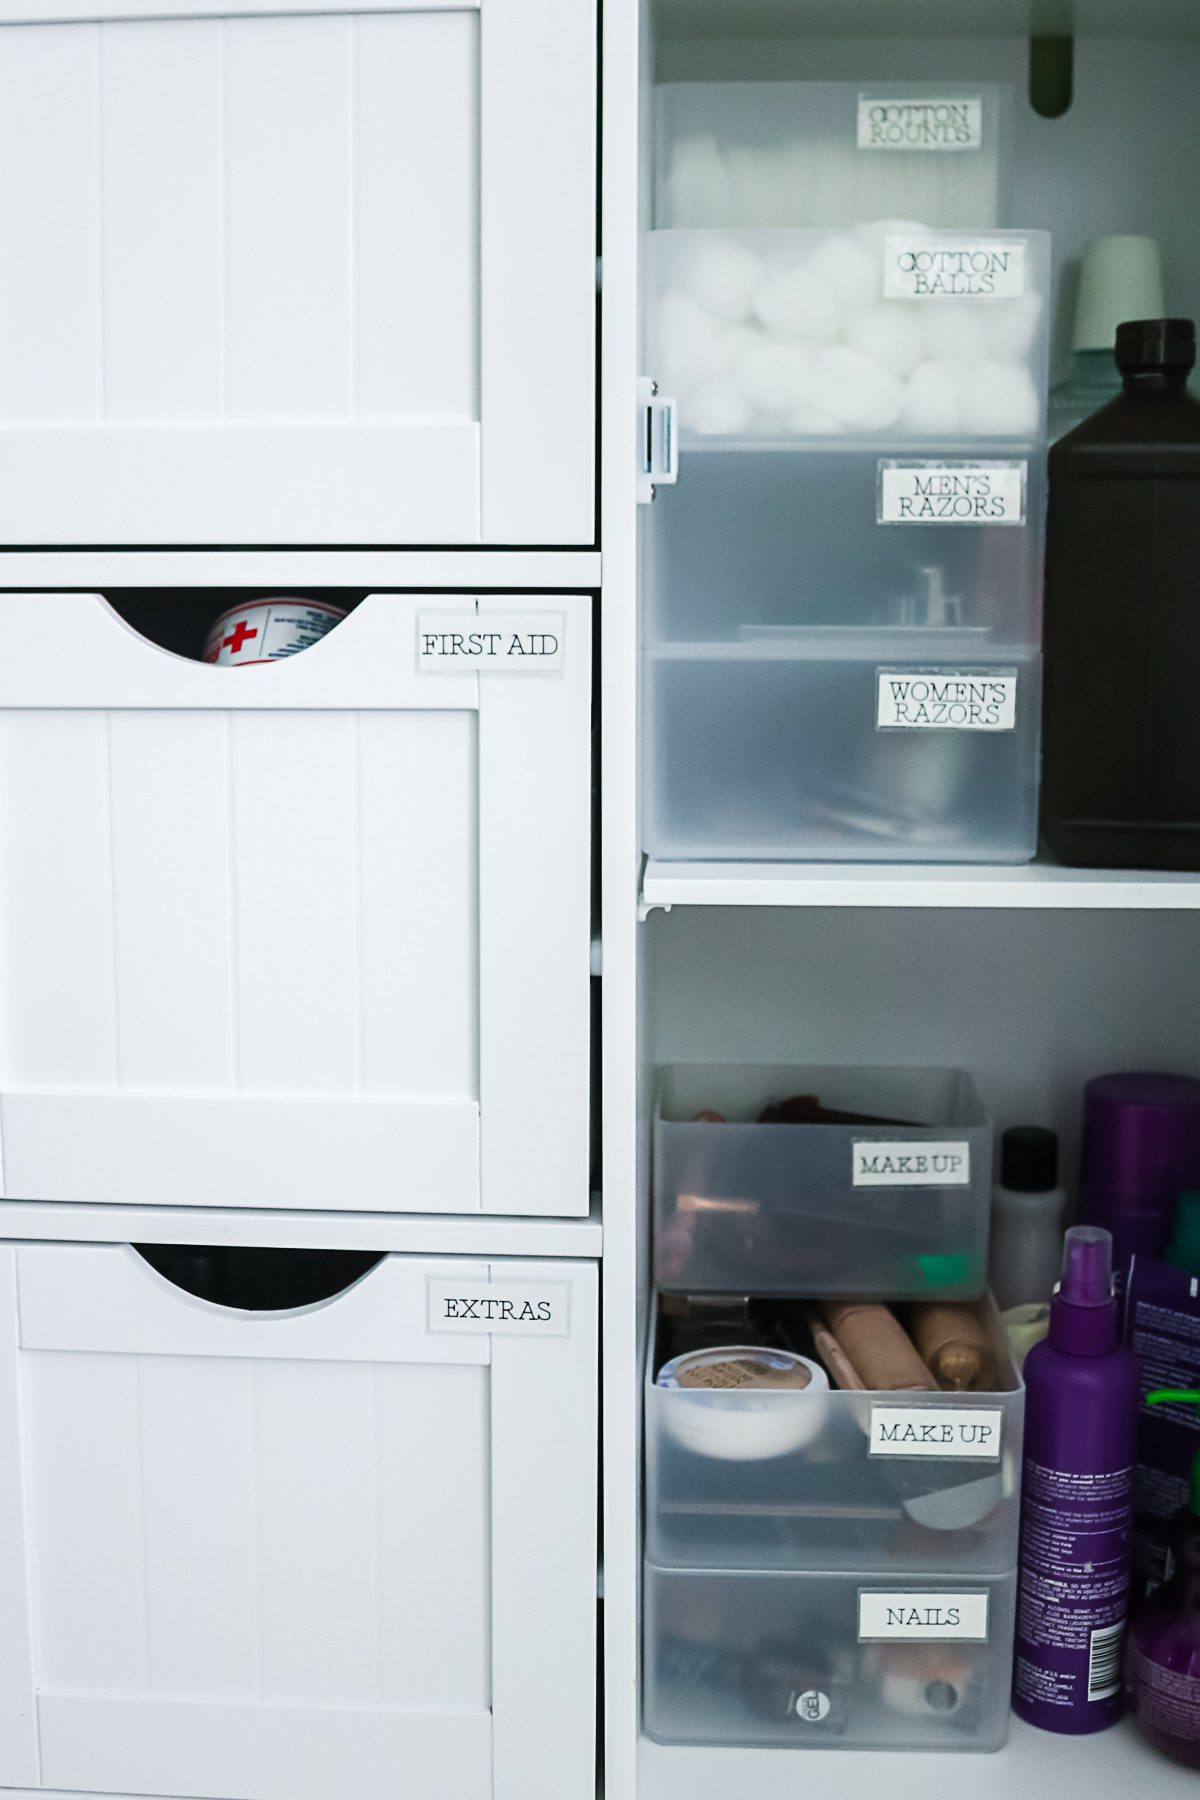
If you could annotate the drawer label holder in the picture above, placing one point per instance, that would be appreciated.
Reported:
(951, 493)
(503, 1308)
(945, 700)
(897, 1615)
(966, 1433)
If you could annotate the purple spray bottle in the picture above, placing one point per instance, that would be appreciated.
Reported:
(1073, 1579)
(1162, 1666)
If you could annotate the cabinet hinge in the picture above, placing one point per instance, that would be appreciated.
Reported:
(657, 455)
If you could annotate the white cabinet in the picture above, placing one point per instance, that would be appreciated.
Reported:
(309, 934)
(287, 276)
(296, 1555)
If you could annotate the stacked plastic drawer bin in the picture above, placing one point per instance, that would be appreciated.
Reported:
(827, 1569)
(845, 583)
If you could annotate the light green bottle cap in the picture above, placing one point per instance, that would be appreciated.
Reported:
(1155, 1398)
(1183, 1252)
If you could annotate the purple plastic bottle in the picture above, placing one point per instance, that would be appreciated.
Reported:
(1141, 1146)
(1076, 1501)
(1162, 1665)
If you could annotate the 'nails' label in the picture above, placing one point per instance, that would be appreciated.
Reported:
(503, 1308)
(951, 493)
(490, 643)
(913, 1617)
(876, 1163)
(885, 124)
(917, 268)
(945, 700)
(968, 1434)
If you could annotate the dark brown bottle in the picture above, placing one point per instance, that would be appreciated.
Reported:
(1121, 726)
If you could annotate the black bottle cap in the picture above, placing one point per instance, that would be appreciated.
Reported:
(1156, 344)
(1029, 1159)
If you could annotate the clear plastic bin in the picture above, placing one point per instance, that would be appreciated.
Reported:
(736, 1658)
(753, 541)
(743, 1208)
(827, 743)
(888, 332)
(831, 152)
(820, 1480)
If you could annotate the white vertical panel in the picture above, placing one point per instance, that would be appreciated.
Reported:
(416, 135)
(197, 1484)
(295, 901)
(50, 316)
(537, 270)
(18, 1724)
(56, 1000)
(534, 966)
(170, 900)
(315, 1485)
(544, 1549)
(160, 86)
(434, 1526)
(82, 1440)
(419, 878)
(288, 243)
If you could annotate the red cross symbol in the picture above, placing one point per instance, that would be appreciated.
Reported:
(241, 632)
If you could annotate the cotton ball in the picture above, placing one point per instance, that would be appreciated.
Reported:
(685, 335)
(773, 376)
(852, 271)
(954, 331)
(697, 189)
(891, 334)
(799, 304)
(855, 391)
(718, 408)
(998, 400)
(1009, 327)
(931, 400)
(722, 277)
(809, 421)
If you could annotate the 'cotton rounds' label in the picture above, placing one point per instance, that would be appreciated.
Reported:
(945, 700)
(951, 493)
(919, 124)
(908, 1617)
(911, 1163)
(921, 268)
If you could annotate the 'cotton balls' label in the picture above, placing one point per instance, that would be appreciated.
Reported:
(965, 269)
(951, 493)
(946, 700)
(919, 124)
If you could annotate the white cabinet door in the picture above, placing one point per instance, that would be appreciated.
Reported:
(313, 933)
(289, 276)
(296, 1556)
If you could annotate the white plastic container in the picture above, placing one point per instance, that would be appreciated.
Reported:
(891, 332)
(818, 153)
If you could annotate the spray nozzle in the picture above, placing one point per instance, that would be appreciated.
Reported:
(1156, 1397)
(1087, 1267)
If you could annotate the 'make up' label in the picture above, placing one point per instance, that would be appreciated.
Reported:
(962, 269)
(926, 1164)
(504, 1308)
(967, 1434)
(919, 124)
(491, 643)
(945, 701)
(912, 1617)
(951, 493)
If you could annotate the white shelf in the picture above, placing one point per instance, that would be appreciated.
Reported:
(1034, 1765)
(1037, 884)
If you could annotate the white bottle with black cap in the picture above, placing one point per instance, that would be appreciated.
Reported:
(1025, 1253)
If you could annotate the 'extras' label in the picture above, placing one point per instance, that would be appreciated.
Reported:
(946, 700)
(969, 1434)
(503, 1308)
(490, 643)
(924, 1164)
(922, 268)
(912, 1617)
(951, 493)
(885, 124)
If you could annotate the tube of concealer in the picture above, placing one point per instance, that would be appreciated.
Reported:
(842, 1372)
(877, 1346)
(954, 1342)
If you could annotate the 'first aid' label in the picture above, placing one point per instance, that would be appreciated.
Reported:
(491, 643)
